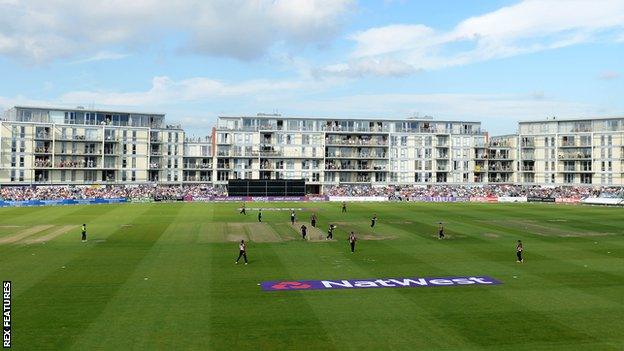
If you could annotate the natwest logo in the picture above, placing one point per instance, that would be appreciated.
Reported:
(290, 286)
(411, 282)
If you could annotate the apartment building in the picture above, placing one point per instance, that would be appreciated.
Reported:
(166, 155)
(81, 146)
(572, 151)
(329, 151)
(198, 160)
(502, 158)
(86, 146)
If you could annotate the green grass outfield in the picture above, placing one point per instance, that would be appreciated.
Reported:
(162, 277)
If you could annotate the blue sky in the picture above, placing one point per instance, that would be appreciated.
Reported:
(492, 61)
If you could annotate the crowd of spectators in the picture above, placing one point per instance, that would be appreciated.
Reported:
(462, 191)
(163, 192)
(393, 192)
(359, 190)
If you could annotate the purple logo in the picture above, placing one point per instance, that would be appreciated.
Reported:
(377, 283)
(290, 286)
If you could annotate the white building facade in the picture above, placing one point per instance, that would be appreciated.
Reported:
(78, 146)
(47, 146)
(572, 152)
(328, 151)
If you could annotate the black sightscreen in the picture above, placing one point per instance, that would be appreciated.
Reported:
(253, 187)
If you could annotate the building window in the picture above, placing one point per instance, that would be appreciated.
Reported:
(568, 178)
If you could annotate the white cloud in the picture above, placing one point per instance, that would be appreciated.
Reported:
(164, 91)
(43, 30)
(385, 67)
(390, 39)
(609, 75)
(101, 56)
(527, 27)
(8, 102)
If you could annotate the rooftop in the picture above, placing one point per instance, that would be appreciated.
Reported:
(409, 119)
(82, 109)
(575, 119)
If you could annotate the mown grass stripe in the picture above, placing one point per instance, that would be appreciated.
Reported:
(63, 304)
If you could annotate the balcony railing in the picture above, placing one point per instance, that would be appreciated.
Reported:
(575, 156)
(499, 157)
(354, 168)
(355, 155)
(198, 166)
(43, 136)
(578, 143)
(500, 169)
(499, 144)
(85, 138)
(40, 150)
(527, 156)
(76, 164)
(65, 137)
(575, 169)
(367, 129)
(43, 164)
(270, 153)
(351, 142)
